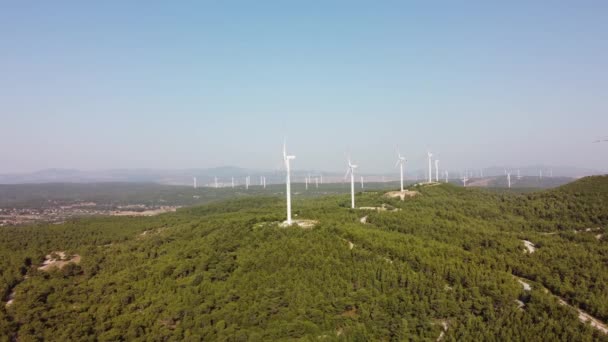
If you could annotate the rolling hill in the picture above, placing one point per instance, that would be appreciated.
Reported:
(452, 263)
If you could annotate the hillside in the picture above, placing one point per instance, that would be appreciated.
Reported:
(524, 183)
(452, 263)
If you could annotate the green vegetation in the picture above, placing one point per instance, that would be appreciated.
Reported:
(114, 194)
(227, 271)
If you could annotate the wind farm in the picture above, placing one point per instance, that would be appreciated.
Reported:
(451, 179)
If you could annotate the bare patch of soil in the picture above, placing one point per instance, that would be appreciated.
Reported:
(401, 194)
(58, 260)
(305, 224)
(531, 248)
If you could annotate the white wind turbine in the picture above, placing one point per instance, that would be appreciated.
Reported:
(362, 186)
(509, 179)
(286, 160)
(306, 181)
(233, 182)
(216, 185)
(400, 162)
(194, 179)
(317, 182)
(464, 180)
(437, 170)
(351, 170)
(447, 174)
(430, 155)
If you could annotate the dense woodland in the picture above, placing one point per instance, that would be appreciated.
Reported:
(446, 261)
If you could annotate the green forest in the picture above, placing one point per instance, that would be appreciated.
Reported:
(450, 263)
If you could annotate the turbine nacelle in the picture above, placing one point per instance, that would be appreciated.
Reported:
(400, 159)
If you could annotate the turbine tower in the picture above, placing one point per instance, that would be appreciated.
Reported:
(351, 170)
(306, 181)
(437, 170)
(464, 180)
(216, 186)
(447, 174)
(287, 159)
(362, 186)
(400, 161)
(194, 179)
(233, 182)
(430, 155)
(509, 179)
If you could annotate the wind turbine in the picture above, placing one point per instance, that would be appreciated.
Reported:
(362, 186)
(447, 174)
(351, 170)
(306, 181)
(287, 159)
(400, 161)
(233, 182)
(317, 182)
(264, 183)
(509, 179)
(518, 174)
(430, 155)
(194, 182)
(216, 185)
(464, 180)
(437, 170)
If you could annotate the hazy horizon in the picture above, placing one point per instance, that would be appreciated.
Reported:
(110, 85)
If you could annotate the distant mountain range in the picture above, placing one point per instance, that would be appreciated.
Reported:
(206, 177)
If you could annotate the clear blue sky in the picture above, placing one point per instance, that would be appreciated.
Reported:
(201, 84)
